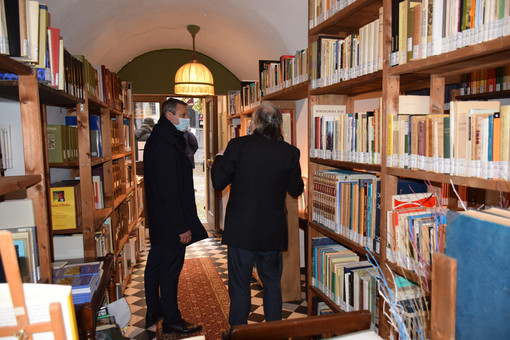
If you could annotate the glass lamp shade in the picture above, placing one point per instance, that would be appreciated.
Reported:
(194, 79)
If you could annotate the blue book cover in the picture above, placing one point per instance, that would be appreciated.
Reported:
(479, 242)
(96, 148)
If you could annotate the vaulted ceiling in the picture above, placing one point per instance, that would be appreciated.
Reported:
(236, 33)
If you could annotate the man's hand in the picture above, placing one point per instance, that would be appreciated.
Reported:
(185, 238)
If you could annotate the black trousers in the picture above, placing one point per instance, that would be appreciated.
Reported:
(240, 267)
(162, 272)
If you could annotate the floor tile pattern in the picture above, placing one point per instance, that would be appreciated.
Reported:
(210, 247)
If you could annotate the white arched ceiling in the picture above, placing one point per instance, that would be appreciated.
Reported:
(236, 33)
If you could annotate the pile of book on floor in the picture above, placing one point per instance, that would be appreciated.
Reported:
(82, 277)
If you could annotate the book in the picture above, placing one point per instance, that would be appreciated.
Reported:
(83, 286)
(38, 298)
(96, 148)
(57, 143)
(478, 241)
(43, 36)
(54, 54)
(68, 247)
(17, 216)
(65, 205)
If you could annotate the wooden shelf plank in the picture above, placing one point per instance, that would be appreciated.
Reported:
(457, 180)
(366, 83)
(486, 95)
(485, 55)
(119, 200)
(13, 183)
(349, 19)
(100, 216)
(295, 92)
(9, 65)
(47, 95)
(410, 275)
(334, 307)
(356, 247)
(348, 165)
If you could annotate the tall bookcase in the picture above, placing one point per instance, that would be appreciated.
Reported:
(33, 183)
(433, 73)
(116, 166)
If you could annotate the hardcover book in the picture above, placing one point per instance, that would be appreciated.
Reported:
(65, 205)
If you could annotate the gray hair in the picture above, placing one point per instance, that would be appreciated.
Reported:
(268, 121)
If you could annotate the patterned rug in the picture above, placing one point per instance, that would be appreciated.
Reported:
(203, 297)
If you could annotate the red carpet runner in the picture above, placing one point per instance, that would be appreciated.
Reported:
(203, 298)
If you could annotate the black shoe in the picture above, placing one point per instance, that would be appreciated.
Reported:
(226, 335)
(182, 326)
(151, 320)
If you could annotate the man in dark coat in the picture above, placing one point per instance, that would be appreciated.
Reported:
(144, 131)
(261, 169)
(172, 216)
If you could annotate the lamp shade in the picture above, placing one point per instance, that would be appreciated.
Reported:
(194, 79)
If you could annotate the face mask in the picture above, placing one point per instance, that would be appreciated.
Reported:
(183, 124)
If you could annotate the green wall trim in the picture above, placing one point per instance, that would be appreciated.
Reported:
(154, 72)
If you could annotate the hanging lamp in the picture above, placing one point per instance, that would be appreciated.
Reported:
(193, 78)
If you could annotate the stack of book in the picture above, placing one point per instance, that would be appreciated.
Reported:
(83, 278)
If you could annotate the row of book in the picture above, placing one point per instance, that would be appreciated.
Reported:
(472, 140)
(103, 237)
(344, 278)
(245, 98)
(336, 58)
(127, 258)
(63, 139)
(430, 27)
(350, 137)
(26, 35)
(124, 143)
(348, 203)
(290, 70)
(415, 229)
(82, 277)
(17, 217)
(485, 81)
(320, 10)
(117, 178)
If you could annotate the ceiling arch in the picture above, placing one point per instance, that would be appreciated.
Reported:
(236, 33)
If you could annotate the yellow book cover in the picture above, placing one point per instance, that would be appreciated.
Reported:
(65, 205)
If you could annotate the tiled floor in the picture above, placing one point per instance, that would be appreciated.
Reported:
(210, 247)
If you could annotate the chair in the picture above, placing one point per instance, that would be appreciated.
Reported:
(329, 325)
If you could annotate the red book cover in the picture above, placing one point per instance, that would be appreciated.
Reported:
(54, 49)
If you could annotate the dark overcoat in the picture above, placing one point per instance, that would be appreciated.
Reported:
(261, 172)
(169, 190)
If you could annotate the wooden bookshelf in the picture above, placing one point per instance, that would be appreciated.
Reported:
(433, 73)
(33, 183)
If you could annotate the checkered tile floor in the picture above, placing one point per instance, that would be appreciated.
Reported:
(210, 247)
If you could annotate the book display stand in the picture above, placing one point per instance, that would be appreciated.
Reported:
(24, 329)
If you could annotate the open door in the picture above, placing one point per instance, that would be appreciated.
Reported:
(211, 149)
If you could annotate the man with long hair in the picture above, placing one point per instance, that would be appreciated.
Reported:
(261, 169)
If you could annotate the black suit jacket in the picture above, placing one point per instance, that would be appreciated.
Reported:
(261, 172)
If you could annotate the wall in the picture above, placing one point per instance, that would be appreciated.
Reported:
(154, 72)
